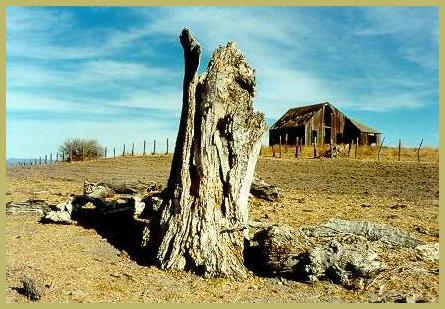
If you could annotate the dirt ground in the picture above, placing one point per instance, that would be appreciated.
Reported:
(72, 263)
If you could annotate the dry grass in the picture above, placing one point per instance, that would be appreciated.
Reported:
(80, 265)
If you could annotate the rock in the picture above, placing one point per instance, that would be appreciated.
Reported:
(428, 252)
(384, 233)
(30, 288)
(263, 190)
(60, 217)
(77, 293)
(409, 298)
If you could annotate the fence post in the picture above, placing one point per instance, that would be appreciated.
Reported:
(273, 151)
(167, 147)
(132, 149)
(296, 147)
(46, 159)
(280, 147)
(114, 152)
(50, 158)
(315, 148)
(331, 149)
(418, 150)
(123, 151)
(380, 148)
(63, 156)
(285, 143)
(400, 146)
(35, 161)
(356, 147)
(154, 146)
(144, 149)
(105, 154)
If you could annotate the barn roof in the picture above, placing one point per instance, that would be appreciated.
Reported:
(363, 128)
(298, 116)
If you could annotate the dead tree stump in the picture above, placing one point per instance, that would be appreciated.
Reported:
(203, 221)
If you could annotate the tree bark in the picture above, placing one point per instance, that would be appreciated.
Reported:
(204, 217)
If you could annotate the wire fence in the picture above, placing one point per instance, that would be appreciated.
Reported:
(351, 150)
(125, 150)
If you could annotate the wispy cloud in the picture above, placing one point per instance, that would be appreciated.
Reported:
(125, 64)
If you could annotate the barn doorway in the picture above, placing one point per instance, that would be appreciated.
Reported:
(327, 135)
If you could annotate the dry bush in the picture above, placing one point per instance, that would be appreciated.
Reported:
(78, 149)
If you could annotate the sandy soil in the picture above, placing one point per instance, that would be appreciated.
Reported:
(72, 263)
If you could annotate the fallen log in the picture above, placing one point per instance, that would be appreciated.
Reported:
(341, 251)
(384, 233)
(29, 206)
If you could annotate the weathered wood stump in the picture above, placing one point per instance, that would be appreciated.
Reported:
(204, 217)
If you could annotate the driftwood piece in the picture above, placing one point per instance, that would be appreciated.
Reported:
(342, 251)
(106, 199)
(347, 260)
(29, 206)
(204, 217)
(121, 187)
(263, 190)
(278, 249)
(384, 233)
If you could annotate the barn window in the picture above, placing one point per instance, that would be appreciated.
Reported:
(372, 139)
(314, 135)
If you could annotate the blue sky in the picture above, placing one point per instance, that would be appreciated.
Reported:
(115, 74)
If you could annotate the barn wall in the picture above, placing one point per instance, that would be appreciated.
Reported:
(292, 133)
(315, 123)
(328, 118)
(338, 126)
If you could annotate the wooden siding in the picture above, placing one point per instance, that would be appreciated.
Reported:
(330, 124)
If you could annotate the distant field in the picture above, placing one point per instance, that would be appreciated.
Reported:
(79, 265)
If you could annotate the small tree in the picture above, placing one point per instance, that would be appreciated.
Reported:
(77, 149)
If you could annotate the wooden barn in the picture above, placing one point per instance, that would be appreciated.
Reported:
(321, 121)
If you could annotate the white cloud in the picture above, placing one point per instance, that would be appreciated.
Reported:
(167, 99)
(105, 73)
(404, 20)
(282, 44)
(20, 102)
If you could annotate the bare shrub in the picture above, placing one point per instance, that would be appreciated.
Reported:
(78, 149)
